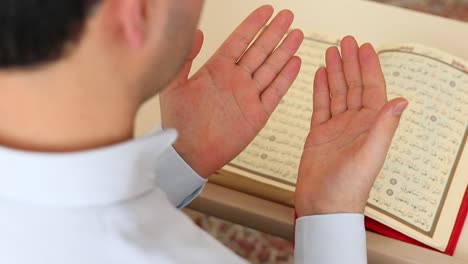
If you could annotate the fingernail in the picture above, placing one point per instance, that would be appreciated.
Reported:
(400, 108)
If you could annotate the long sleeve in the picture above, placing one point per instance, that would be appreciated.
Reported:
(177, 179)
(331, 239)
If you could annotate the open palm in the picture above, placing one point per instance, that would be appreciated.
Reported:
(220, 110)
(351, 131)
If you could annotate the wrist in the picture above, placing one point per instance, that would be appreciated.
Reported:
(316, 207)
(193, 160)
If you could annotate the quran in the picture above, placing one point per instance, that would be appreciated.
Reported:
(419, 194)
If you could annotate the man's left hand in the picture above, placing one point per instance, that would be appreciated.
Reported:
(221, 109)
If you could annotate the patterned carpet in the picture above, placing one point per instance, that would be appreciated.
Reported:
(258, 247)
(252, 245)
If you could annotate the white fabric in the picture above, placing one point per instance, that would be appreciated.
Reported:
(178, 179)
(331, 239)
(117, 205)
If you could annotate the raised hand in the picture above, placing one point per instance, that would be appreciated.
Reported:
(220, 110)
(351, 131)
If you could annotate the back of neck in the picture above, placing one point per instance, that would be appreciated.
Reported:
(57, 113)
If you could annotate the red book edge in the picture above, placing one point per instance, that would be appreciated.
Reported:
(451, 246)
(389, 232)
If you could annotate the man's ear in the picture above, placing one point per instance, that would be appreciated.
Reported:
(132, 17)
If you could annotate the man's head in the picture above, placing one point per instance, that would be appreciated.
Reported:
(33, 32)
(144, 42)
(73, 73)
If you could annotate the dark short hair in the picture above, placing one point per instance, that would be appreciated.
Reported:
(33, 32)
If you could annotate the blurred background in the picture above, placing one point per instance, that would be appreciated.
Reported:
(257, 247)
(455, 9)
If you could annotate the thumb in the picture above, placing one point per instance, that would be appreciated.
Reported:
(381, 134)
(196, 48)
(197, 45)
(185, 71)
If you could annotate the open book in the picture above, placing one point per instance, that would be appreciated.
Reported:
(421, 187)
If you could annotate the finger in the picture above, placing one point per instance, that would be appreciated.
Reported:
(374, 93)
(337, 81)
(236, 44)
(382, 132)
(278, 88)
(352, 70)
(276, 62)
(268, 40)
(322, 102)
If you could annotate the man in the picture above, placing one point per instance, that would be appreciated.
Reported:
(75, 187)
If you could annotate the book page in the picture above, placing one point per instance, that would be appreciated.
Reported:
(275, 153)
(415, 180)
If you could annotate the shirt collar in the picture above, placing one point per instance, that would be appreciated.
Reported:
(88, 178)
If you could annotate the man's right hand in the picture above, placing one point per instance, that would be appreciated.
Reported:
(351, 131)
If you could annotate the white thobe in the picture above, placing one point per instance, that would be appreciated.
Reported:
(120, 204)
